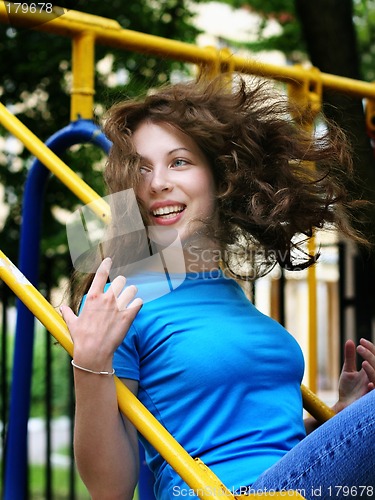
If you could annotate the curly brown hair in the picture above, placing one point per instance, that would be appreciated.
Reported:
(268, 192)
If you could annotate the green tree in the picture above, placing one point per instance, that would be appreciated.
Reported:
(291, 38)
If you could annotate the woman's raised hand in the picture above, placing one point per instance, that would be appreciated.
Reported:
(354, 384)
(104, 321)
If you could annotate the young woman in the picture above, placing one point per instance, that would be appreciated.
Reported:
(226, 170)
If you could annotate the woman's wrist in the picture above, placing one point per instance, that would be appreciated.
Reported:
(338, 406)
(93, 372)
(95, 363)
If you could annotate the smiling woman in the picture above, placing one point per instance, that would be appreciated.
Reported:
(177, 187)
(225, 169)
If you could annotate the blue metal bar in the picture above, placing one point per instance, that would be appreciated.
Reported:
(146, 479)
(80, 131)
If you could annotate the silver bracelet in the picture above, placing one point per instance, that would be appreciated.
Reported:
(91, 371)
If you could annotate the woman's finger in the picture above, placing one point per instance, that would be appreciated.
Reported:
(349, 357)
(370, 371)
(101, 277)
(368, 345)
(117, 285)
(67, 315)
(366, 350)
(133, 308)
(127, 295)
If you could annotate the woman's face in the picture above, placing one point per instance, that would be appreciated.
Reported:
(177, 185)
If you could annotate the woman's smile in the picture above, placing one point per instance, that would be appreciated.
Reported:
(168, 212)
(177, 185)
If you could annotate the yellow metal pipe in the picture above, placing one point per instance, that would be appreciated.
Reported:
(312, 323)
(84, 192)
(109, 32)
(307, 94)
(315, 406)
(37, 304)
(194, 472)
(83, 65)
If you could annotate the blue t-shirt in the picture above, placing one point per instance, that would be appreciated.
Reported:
(221, 377)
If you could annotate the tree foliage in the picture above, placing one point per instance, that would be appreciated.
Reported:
(291, 40)
(364, 21)
(288, 40)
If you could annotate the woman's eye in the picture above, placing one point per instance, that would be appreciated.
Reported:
(143, 170)
(179, 163)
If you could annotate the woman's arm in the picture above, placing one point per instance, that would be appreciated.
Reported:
(353, 384)
(105, 443)
(311, 424)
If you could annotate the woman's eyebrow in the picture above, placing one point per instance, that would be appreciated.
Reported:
(173, 151)
(170, 153)
(143, 158)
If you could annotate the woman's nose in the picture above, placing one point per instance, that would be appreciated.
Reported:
(160, 180)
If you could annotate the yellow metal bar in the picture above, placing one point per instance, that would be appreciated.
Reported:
(37, 304)
(82, 92)
(308, 95)
(222, 62)
(312, 323)
(315, 406)
(108, 32)
(84, 192)
(194, 472)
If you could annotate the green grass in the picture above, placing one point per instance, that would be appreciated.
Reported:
(60, 484)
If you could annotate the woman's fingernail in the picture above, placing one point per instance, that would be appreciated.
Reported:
(107, 262)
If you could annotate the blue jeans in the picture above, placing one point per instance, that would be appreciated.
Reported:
(337, 460)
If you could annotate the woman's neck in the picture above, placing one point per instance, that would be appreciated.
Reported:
(201, 258)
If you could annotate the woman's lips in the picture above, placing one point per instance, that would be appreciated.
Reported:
(168, 214)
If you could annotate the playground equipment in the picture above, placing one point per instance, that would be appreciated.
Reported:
(85, 31)
(77, 132)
